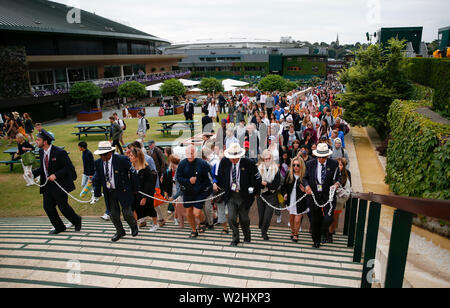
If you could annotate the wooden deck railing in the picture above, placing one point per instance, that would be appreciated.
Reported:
(406, 208)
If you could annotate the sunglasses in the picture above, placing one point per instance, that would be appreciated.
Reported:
(296, 165)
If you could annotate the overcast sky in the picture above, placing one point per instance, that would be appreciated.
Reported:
(305, 20)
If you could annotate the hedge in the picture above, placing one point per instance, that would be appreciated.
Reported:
(418, 157)
(434, 73)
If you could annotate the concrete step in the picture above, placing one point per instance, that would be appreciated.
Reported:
(167, 258)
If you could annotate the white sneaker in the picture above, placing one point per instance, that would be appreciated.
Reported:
(154, 228)
(105, 217)
(175, 222)
(68, 226)
(278, 219)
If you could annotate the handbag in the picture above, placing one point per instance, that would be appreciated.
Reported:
(158, 195)
(217, 198)
(28, 158)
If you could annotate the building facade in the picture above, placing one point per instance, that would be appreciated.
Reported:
(239, 58)
(58, 46)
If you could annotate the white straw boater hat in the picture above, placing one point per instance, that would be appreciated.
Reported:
(234, 151)
(322, 150)
(104, 147)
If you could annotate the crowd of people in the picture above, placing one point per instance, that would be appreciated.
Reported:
(282, 151)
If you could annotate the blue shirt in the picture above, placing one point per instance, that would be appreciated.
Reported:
(341, 136)
(278, 113)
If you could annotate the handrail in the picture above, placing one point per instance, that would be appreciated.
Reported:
(439, 209)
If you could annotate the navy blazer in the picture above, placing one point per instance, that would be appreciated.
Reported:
(126, 179)
(249, 177)
(60, 165)
(333, 175)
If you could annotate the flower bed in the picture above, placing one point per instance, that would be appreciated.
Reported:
(113, 84)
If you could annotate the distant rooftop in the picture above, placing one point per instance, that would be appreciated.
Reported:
(50, 17)
(229, 43)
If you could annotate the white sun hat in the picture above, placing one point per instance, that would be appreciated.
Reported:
(104, 147)
(322, 150)
(234, 151)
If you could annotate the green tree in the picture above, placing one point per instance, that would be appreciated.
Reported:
(132, 89)
(373, 83)
(272, 83)
(172, 87)
(289, 86)
(85, 92)
(210, 85)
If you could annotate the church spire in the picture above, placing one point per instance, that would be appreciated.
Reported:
(337, 39)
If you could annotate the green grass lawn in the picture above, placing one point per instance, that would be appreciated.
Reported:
(18, 200)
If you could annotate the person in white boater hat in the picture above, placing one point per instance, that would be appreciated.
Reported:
(119, 181)
(321, 174)
(240, 179)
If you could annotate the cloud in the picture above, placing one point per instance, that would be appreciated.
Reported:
(311, 20)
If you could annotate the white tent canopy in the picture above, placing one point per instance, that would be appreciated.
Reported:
(154, 87)
(195, 90)
(234, 83)
(189, 83)
(228, 88)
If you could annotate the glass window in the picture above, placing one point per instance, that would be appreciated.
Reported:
(75, 74)
(60, 75)
(112, 71)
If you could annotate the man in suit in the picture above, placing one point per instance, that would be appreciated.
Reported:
(241, 181)
(321, 174)
(116, 134)
(56, 166)
(189, 111)
(120, 182)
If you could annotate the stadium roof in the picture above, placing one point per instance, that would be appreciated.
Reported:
(229, 43)
(50, 17)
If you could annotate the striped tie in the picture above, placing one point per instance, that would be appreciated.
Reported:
(234, 175)
(324, 173)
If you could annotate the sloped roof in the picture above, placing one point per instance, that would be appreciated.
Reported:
(51, 17)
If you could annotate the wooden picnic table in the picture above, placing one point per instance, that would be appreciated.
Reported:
(168, 126)
(12, 161)
(93, 129)
(162, 144)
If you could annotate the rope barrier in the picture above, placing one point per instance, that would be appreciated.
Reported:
(94, 200)
(330, 200)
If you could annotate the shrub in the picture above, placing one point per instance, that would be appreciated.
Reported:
(272, 83)
(172, 87)
(418, 157)
(210, 85)
(433, 73)
(132, 89)
(85, 92)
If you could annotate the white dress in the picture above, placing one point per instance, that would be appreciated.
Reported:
(212, 110)
(293, 198)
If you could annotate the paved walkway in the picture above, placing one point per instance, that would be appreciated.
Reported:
(29, 257)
